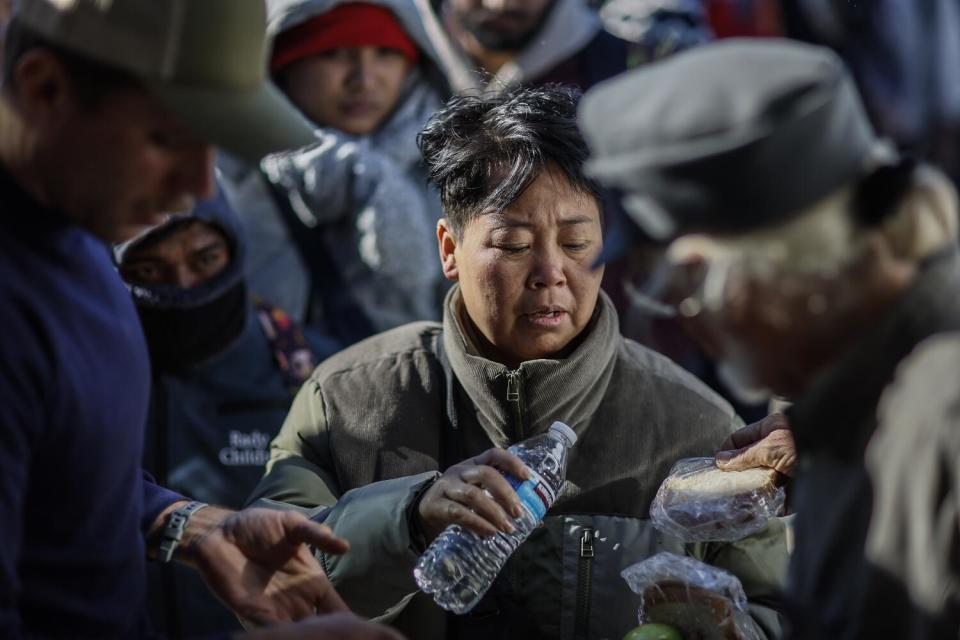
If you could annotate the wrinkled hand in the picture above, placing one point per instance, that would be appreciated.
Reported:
(474, 494)
(336, 626)
(258, 563)
(768, 443)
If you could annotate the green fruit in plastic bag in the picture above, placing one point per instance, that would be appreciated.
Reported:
(653, 631)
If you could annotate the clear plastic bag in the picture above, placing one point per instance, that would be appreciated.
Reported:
(698, 503)
(702, 602)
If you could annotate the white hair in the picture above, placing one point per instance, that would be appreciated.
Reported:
(828, 236)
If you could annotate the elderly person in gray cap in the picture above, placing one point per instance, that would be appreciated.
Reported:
(815, 263)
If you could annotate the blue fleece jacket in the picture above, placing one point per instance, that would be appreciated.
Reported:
(74, 385)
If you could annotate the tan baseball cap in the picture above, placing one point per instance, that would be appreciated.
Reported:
(205, 59)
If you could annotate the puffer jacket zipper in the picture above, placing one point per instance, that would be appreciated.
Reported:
(515, 400)
(581, 620)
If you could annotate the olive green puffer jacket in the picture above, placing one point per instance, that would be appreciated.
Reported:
(375, 423)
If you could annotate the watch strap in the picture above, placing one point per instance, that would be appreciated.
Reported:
(173, 530)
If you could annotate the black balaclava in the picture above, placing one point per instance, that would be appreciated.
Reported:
(185, 327)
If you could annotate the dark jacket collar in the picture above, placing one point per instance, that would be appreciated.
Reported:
(838, 412)
(568, 389)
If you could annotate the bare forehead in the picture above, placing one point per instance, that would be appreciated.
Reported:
(548, 203)
(532, 220)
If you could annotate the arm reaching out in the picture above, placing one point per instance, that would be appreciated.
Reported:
(257, 561)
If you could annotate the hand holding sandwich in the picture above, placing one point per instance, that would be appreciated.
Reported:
(768, 443)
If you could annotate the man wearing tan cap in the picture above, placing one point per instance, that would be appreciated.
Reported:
(107, 115)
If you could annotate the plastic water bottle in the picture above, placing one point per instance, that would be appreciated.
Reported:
(459, 566)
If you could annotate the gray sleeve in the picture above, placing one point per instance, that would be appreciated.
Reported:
(389, 216)
(318, 178)
(397, 242)
(301, 469)
(376, 576)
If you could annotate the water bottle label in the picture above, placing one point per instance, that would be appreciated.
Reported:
(535, 493)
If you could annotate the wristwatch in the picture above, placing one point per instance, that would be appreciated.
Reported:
(173, 531)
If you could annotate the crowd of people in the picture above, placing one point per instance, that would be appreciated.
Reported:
(277, 295)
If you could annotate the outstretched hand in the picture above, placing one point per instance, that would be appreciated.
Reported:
(258, 563)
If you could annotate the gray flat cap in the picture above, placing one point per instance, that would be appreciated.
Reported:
(727, 137)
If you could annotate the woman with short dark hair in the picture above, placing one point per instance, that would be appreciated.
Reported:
(402, 434)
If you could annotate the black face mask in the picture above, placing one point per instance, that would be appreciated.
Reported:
(179, 337)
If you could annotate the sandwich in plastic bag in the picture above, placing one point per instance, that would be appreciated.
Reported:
(698, 502)
(700, 601)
